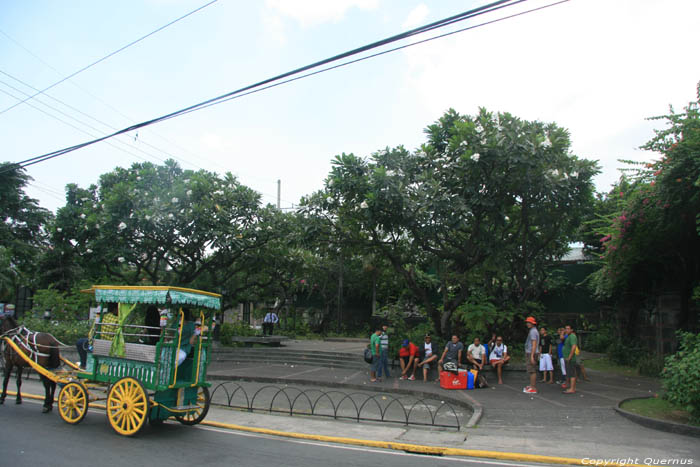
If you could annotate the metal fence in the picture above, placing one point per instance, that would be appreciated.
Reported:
(339, 405)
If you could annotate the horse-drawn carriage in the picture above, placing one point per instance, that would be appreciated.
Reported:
(141, 382)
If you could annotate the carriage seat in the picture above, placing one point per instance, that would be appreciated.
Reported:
(141, 352)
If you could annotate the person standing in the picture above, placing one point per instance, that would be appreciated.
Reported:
(383, 366)
(375, 347)
(560, 355)
(570, 346)
(546, 366)
(532, 345)
(269, 322)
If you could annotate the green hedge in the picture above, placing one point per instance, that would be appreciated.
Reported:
(229, 330)
(681, 375)
(68, 332)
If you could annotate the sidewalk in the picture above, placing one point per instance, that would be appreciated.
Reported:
(549, 423)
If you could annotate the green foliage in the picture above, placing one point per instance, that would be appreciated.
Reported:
(681, 375)
(64, 305)
(600, 340)
(624, 354)
(486, 204)
(22, 232)
(650, 365)
(480, 316)
(67, 331)
(649, 220)
(229, 330)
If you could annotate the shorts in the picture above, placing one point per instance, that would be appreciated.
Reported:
(571, 369)
(405, 360)
(531, 367)
(546, 362)
(562, 365)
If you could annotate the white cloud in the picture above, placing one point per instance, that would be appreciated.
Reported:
(416, 17)
(273, 28)
(597, 74)
(312, 12)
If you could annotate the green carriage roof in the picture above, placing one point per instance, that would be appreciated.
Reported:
(155, 294)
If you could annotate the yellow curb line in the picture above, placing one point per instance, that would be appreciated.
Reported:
(415, 448)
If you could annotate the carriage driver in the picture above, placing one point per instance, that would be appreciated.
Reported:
(190, 333)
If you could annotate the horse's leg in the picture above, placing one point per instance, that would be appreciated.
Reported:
(48, 395)
(20, 369)
(6, 379)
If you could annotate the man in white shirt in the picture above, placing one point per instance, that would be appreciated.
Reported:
(498, 356)
(476, 354)
(269, 322)
(427, 354)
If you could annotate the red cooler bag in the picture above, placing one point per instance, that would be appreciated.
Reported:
(449, 380)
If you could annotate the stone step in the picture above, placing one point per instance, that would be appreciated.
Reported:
(306, 362)
(287, 352)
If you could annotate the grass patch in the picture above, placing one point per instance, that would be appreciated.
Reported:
(604, 364)
(658, 408)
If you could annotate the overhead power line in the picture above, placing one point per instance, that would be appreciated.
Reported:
(270, 82)
(108, 55)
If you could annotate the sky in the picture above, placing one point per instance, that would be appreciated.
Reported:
(596, 67)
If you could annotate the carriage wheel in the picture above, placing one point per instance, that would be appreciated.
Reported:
(196, 416)
(127, 406)
(73, 403)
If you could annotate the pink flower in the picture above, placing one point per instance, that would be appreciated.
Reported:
(621, 194)
(605, 239)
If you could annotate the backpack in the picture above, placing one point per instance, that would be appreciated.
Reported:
(368, 355)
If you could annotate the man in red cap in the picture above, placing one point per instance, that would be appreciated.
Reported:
(532, 345)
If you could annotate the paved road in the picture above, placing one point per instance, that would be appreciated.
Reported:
(30, 438)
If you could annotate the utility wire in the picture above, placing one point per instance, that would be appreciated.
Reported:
(465, 15)
(250, 89)
(109, 55)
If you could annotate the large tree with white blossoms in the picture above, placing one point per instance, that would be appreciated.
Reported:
(472, 220)
(160, 224)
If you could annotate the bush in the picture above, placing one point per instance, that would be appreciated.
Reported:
(229, 330)
(600, 340)
(67, 332)
(650, 365)
(626, 355)
(681, 375)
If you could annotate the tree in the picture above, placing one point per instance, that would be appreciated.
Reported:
(650, 230)
(487, 203)
(162, 225)
(22, 231)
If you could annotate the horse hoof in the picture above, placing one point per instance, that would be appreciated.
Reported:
(46, 409)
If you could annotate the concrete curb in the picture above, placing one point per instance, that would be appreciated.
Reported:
(656, 424)
(469, 402)
(405, 447)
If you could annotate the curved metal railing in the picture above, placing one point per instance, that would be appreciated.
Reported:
(339, 405)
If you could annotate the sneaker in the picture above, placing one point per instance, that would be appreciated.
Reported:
(530, 390)
(411, 378)
(563, 385)
(526, 388)
(402, 377)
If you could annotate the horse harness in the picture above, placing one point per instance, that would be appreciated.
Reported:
(26, 339)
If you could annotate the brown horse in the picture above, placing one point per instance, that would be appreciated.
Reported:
(40, 347)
